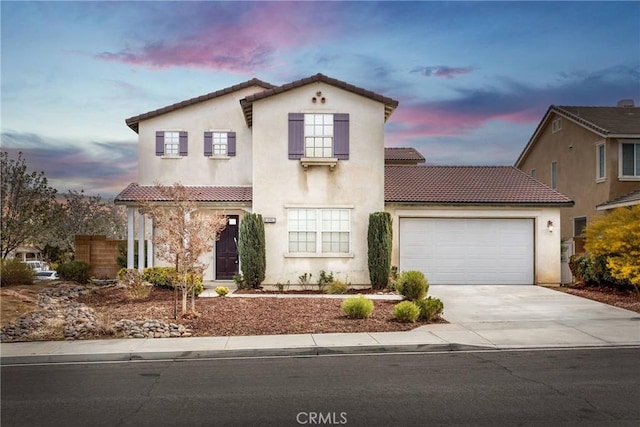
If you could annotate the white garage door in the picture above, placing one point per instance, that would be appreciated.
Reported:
(468, 251)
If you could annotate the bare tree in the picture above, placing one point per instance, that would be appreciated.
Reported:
(27, 202)
(183, 233)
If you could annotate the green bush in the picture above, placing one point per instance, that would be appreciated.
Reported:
(15, 272)
(379, 242)
(412, 285)
(222, 291)
(78, 271)
(337, 287)
(324, 280)
(406, 311)
(162, 277)
(593, 270)
(430, 308)
(194, 283)
(357, 307)
(252, 249)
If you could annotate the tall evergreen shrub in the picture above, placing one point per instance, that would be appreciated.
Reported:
(379, 253)
(251, 246)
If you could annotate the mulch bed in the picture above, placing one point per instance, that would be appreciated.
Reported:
(616, 297)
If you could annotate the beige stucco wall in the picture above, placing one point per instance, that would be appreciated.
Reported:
(280, 183)
(547, 244)
(574, 148)
(222, 113)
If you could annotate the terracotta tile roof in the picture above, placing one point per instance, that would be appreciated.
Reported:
(200, 193)
(402, 155)
(467, 185)
(630, 199)
(605, 120)
(390, 104)
(132, 122)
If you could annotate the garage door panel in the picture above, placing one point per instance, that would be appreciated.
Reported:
(468, 250)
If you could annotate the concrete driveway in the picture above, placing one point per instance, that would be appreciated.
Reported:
(521, 316)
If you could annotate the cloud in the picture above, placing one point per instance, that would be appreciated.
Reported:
(238, 41)
(98, 167)
(443, 71)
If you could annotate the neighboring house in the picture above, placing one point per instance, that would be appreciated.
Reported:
(309, 157)
(591, 154)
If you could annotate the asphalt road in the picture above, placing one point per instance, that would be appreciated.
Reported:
(556, 387)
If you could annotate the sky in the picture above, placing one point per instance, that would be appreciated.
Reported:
(473, 79)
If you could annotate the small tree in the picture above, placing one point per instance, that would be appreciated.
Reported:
(379, 239)
(251, 246)
(27, 202)
(184, 234)
(617, 237)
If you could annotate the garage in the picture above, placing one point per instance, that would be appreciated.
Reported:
(469, 251)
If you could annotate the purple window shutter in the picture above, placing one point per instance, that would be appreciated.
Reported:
(296, 135)
(159, 143)
(183, 143)
(341, 136)
(208, 144)
(231, 144)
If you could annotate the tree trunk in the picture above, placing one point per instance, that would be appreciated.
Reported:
(184, 299)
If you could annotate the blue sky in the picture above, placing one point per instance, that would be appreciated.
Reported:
(473, 78)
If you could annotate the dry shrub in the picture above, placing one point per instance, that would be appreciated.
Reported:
(51, 330)
(136, 288)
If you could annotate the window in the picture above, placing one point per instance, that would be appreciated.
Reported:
(533, 173)
(600, 162)
(318, 135)
(556, 125)
(219, 144)
(554, 174)
(579, 224)
(171, 143)
(319, 230)
(630, 165)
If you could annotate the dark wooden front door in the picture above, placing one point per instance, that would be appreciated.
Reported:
(227, 250)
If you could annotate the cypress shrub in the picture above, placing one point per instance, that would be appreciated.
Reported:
(252, 250)
(379, 249)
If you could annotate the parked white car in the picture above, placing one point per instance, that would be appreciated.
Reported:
(46, 275)
(38, 266)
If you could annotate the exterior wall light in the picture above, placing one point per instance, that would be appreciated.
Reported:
(550, 226)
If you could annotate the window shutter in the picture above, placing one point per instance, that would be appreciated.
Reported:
(341, 136)
(183, 143)
(208, 144)
(159, 143)
(296, 135)
(231, 144)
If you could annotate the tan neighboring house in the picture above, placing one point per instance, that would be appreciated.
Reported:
(309, 156)
(590, 154)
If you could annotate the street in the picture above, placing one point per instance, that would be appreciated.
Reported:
(544, 387)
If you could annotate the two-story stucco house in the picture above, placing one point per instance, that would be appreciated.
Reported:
(309, 156)
(591, 154)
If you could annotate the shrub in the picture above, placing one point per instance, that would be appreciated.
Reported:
(15, 272)
(240, 282)
(304, 280)
(77, 271)
(357, 307)
(430, 308)
(194, 284)
(252, 249)
(324, 280)
(412, 285)
(406, 311)
(379, 241)
(137, 288)
(337, 287)
(222, 291)
(162, 277)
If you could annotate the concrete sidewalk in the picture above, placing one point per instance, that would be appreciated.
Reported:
(480, 317)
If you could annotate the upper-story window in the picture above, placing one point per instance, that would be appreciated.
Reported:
(630, 160)
(556, 125)
(554, 174)
(319, 136)
(171, 143)
(219, 144)
(600, 162)
(533, 173)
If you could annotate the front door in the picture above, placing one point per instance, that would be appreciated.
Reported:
(227, 250)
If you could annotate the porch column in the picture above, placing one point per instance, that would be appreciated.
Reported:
(140, 242)
(149, 242)
(130, 237)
